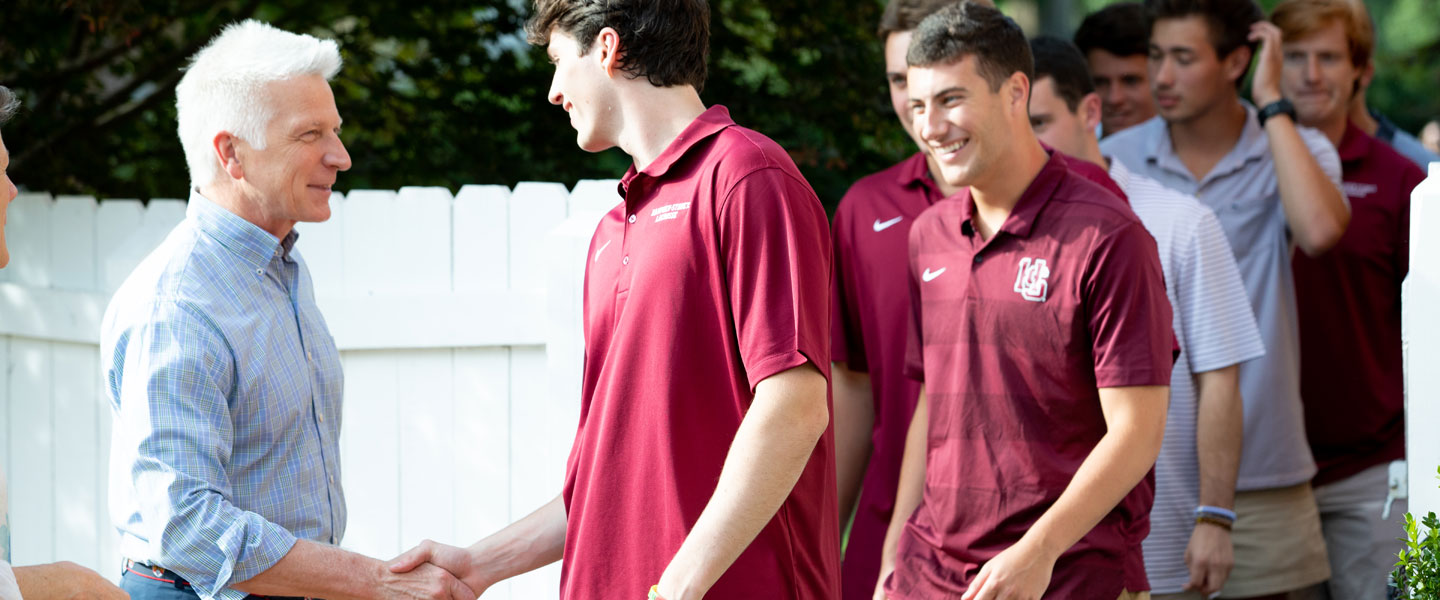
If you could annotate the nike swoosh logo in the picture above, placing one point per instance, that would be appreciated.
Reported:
(602, 249)
(929, 275)
(883, 225)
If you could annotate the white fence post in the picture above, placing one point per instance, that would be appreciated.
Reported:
(1421, 326)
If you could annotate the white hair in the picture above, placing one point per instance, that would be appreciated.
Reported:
(224, 87)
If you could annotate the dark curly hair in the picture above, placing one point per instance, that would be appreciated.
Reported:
(665, 41)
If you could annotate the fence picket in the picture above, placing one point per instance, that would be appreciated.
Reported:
(32, 435)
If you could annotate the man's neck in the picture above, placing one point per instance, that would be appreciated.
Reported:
(1361, 117)
(230, 197)
(659, 116)
(997, 192)
(1202, 141)
(1333, 127)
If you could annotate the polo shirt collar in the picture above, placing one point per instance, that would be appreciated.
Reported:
(1355, 144)
(1027, 210)
(1252, 145)
(714, 120)
(247, 240)
(915, 171)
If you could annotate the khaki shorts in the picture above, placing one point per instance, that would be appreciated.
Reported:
(1279, 546)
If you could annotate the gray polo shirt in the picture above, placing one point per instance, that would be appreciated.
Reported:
(1243, 191)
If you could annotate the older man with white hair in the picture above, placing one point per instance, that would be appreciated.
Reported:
(224, 380)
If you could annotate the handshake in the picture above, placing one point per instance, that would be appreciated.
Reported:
(436, 572)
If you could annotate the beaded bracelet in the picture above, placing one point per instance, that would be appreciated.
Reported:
(654, 593)
(1221, 523)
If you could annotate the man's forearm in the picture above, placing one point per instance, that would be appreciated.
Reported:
(1314, 208)
(1135, 426)
(528, 544)
(854, 422)
(770, 451)
(315, 570)
(1219, 434)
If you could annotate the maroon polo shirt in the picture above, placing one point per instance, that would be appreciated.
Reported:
(1351, 376)
(1013, 337)
(711, 276)
(871, 313)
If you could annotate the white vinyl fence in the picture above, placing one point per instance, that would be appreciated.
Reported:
(458, 321)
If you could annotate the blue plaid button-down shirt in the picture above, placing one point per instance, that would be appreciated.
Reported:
(226, 391)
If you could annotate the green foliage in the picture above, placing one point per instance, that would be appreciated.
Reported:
(437, 92)
(1417, 574)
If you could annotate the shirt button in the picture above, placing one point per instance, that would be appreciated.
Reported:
(332, 480)
(259, 271)
(632, 218)
(979, 259)
(322, 418)
(625, 261)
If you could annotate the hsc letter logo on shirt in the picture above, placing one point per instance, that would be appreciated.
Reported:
(1030, 280)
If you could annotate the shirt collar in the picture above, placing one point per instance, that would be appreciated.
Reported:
(712, 121)
(1022, 218)
(1252, 145)
(1355, 144)
(915, 171)
(1119, 173)
(247, 240)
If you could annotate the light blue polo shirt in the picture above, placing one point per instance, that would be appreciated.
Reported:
(1244, 193)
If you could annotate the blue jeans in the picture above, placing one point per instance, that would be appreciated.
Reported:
(141, 586)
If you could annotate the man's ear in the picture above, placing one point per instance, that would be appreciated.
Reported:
(226, 153)
(1017, 91)
(1090, 110)
(1236, 63)
(608, 41)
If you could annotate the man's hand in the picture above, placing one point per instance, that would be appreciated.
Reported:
(424, 582)
(1209, 557)
(1266, 86)
(65, 581)
(1021, 572)
(455, 561)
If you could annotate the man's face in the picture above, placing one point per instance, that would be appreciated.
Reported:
(1054, 123)
(1318, 76)
(7, 193)
(303, 154)
(582, 89)
(1124, 88)
(1188, 78)
(963, 124)
(895, 70)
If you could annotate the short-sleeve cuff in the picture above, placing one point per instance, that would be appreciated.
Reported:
(1114, 378)
(780, 362)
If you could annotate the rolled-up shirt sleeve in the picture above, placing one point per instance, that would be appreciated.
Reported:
(175, 419)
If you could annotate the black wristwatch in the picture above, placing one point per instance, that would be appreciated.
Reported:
(1278, 107)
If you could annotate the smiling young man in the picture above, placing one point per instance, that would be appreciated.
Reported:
(1351, 375)
(874, 400)
(1040, 329)
(1188, 553)
(1271, 183)
(703, 464)
(1116, 42)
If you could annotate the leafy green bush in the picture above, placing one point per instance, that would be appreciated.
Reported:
(1417, 574)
